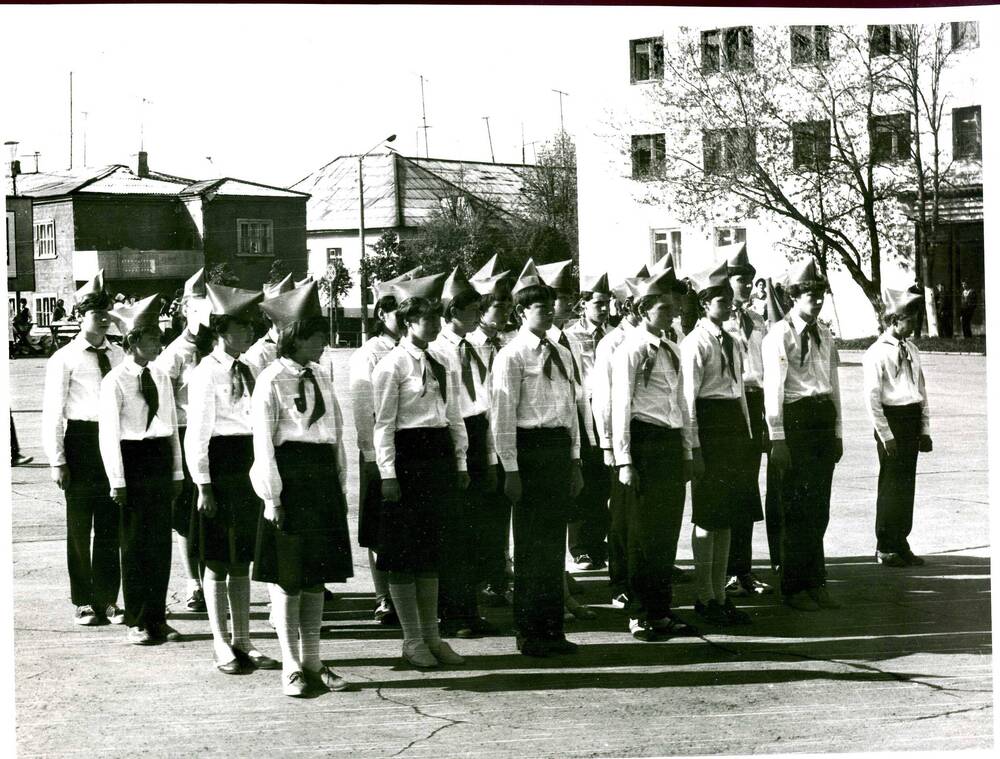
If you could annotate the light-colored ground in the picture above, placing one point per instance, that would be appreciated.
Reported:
(905, 665)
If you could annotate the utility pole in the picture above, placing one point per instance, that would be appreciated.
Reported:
(84, 140)
(522, 142)
(561, 93)
(490, 136)
(71, 120)
(423, 108)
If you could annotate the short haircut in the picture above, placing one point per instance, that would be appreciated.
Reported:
(706, 296)
(464, 300)
(134, 335)
(385, 305)
(587, 295)
(500, 294)
(414, 309)
(532, 294)
(816, 286)
(646, 302)
(289, 335)
(219, 323)
(94, 302)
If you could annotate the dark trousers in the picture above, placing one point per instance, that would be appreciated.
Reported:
(741, 535)
(772, 513)
(805, 494)
(591, 520)
(15, 449)
(461, 533)
(91, 521)
(897, 479)
(966, 318)
(145, 530)
(653, 518)
(543, 458)
(617, 536)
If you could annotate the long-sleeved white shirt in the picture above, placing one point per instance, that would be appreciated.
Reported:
(487, 350)
(408, 396)
(786, 381)
(600, 381)
(659, 401)
(261, 354)
(704, 376)
(362, 364)
(276, 420)
(555, 335)
(449, 345)
(72, 391)
(582, 336)
(887, 383)
(753, 363)
(213, 411)
(522, 396)
(124, 413)
(176, 361)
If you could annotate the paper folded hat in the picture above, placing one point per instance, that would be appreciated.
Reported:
(141, 314)
(490, 269)
(382, 289)
(596, 284)
(623, 289)
(456, 285)
(663, 263)
(898, 302)
(304, 282)
(420, 287)
(495, 285)
(736, 259)
(642, 273)
(804, 273)
(529, 277)
(293, 306)
(95, 287)
(716, 276)
(775, 313)
(194, 287)
(284, 285)
(233, 301)
(664, 283)
(557, 275)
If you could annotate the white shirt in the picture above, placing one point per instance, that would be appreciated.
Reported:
(521, 395)
(600, 381)
(660, 402)
(176, 361)
(361, 366)
(887, 383)
(124, 415)
(72, 391)
(554, 334)
(582, 334)
(408, 397)
(448, 345)
(480, 340)
(785, 381)
(275, 420)
(261, 354)
(753, 364)
(701, 362)
(213, 411)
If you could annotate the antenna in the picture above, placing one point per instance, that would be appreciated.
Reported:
(423, 108)
(490, 136)
(142, 118)
(84, 140)
(71, 120)
(561, 94)
(522, 142)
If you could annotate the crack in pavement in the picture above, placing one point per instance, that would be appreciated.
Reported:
(948, 714)
(449, 722)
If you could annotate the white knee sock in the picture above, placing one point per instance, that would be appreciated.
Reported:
(404, 598)
(239, 610)
(427, 609)
(310, 624)
(285, 614)
(720, 560)
(701, 547)
(380, 578)
(218, 608)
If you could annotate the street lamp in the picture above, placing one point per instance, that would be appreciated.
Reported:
(361, 235)
(15, 165)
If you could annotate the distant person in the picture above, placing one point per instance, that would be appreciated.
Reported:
(22, 324)
(59, 312)
(970, 302)
(16, 459)
(758, 297)
(944, 311)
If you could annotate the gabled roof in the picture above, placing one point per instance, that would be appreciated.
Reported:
(420, 183)
(239, 187)
(51, 184)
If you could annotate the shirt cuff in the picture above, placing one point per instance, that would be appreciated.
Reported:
(491, 460)
(575, 452)
(369, 455)
(623, 459)
(387, 473)
(179, 476)
(463, 465)
(509, 463)
(776, 433)
(271, 503)
(201, 479)
(116, 483)
(58, 461)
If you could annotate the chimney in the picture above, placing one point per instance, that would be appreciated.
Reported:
(143, 164)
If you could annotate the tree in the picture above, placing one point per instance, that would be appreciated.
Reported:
(549, 227)
(333, 286)
(463, 232)
(222, 274)
(387, 258)
(279, 270)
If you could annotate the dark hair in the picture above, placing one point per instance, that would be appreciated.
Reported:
(462, 301)
(532, 294)
(706, 296)
(760, 281)
(646, 302)
(500, 294)
(93, 302)
(134, 335)
(386, 304)
(815, 286)
(219, 323)
(301, 330)
(414, 309)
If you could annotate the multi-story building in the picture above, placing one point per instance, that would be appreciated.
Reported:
(626, 220)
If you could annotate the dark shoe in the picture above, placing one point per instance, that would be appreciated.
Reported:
(912, 559)
(384, 613)
(536, 647)
(254, 659)
(823, 598)
(295, 685)
(679, 577)
(114, 615)
(327, 679)
(754, 586)
(163, 631)
(329, 600)
(492, 598)
(140, 636)
(20, 460)
(641, 630)
(560, 645)
(584, 562)
(735, 616)
(196, 601)
(801, 601)
(86, 616)
(672, 626)
(890, 559)
(712, 612)
(735, 588)
(231, 667)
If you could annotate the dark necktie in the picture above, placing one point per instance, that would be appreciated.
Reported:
(551, 357)
(103, 362)
(439, 375)
(241, 380)
(746, 323)
(727, 353)
(598, 336)
(149, 394)
(468, 354)
(650, 363)
(564, 342)
(813, 330)
(319, 408)
(903, 357)
(494, 343)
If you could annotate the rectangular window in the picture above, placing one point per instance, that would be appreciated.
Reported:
(667, 241)
(44, 306)
(255, 237)
(967, 132)
(727, 49)
(890, 137)
(729, 235)
(648, 151)
(334, 257)
(11, 249)
(728, 150)
(646, 59)
(886, 40)
(810, 44)
(811, 144)
(964, 35)
(45, 239)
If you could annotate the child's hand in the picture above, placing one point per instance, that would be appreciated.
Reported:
(891, 449)
(926, 444)
(119, 497)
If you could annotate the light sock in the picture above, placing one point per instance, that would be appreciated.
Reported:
(701, 547)
(720, 560)
(404, 599)
(310, 624)
(285, 614)
(380, 578)
(427, 609)
(218, 608)
(239, 610)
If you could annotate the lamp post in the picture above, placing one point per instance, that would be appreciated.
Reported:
(361, 235)
(15, 165)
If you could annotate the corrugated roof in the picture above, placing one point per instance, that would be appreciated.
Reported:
(51, 184)
(239, 187)
(127, 183)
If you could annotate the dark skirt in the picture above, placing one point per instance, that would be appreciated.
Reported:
(184, 518)
(410, 531)
(230, 535)
(369, 505)
(312, 545)
(720, 498)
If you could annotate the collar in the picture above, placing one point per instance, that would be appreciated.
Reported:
(407, 345)
(890, 339)
(589, 327)
(709, 326)
(553, 334)
(292, 366)
(532, 340)
(129, 365)
(799, 324)
(648, 337)
(220, 355)
(448, 333)
(82, 343)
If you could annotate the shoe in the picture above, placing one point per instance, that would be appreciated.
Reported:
(492, 598)
(114, 615)
(196, 601)
(163, 631)
(891, 559)
(672, 626)
(444, 653)
(20, 460)
(418, 654)
(327, 679)
(295, 684)
(823, 598)
(231, 667)
(735, 588)
(254, 659)
(620, 601)
(140, 636)
(86, 616)
(536, 647)
(801, 601)
(735, 616)
(712, 612)
(476, 627)
(384, 613)
(641, 630)
(583, 562)
(910, 558)
(576, 610)
(754, 586)
(559, 645)
(679, 577)
(329, 600)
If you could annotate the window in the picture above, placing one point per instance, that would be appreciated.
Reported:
(647, 154)
(967, 132)
(647, 59)
(255, 237)
(886, 40)
(890, 137)
(729, 235)
(811, 144)
(45, 239)
(667, 241)
(728, 150)
(44, 306)
(334, 257)
(810, 44)
(727, 49)
(964, 35)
